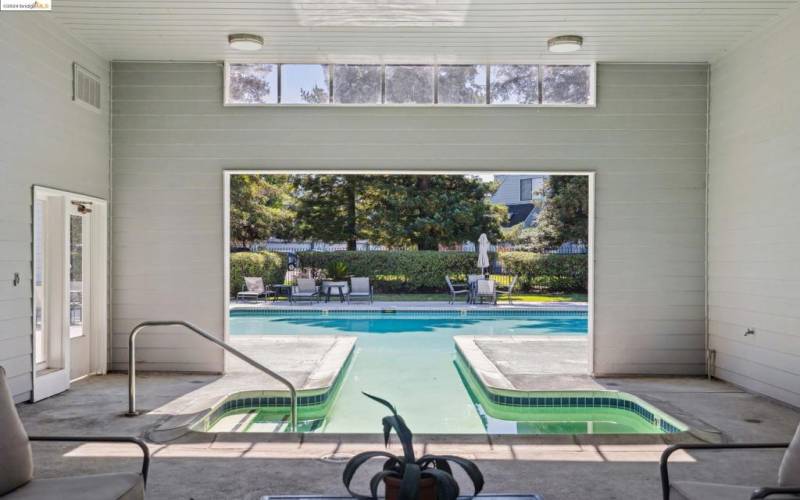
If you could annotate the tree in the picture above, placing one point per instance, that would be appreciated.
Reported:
(431, 210)
(565, 212)
(566, 84)
(331, 207)
(357, 83)
(250, 82)
(260, 208)
(462, 84)
(317, 95)
(515, 84)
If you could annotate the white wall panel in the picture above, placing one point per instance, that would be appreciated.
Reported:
(47, 139)
(646, 141)
(754, 228)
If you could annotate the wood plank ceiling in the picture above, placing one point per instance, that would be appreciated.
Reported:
(416, 30)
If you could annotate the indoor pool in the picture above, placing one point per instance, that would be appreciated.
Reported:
(407, 358)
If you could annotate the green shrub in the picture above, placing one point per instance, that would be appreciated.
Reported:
(397, 271)
(269, 265)
(547, 272)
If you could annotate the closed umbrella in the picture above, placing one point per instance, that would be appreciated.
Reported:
(483, 252)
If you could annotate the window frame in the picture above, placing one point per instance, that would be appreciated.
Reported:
(591, 103)
(529, 180)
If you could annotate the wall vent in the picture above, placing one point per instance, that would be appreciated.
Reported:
(85, 87)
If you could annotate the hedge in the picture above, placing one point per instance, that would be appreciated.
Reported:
(396, 271)
(424, 271)
(269, 265)
(547, 272)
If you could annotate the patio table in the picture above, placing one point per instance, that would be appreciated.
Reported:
(338, 286)
(282, 290)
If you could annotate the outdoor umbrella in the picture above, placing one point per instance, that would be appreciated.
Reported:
(483, 252)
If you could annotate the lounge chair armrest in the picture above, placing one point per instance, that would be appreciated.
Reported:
(766, 492)
(705, 446)
(104, 439)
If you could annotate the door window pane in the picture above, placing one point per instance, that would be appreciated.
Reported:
(409, 84)
(40, 352)
(357, 84)
(566, 84)
(305, 84)
(75, 276)
(252, 84)
(462, 84)
(514, 84)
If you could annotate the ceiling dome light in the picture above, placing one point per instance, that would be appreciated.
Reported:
(245, 41)
(565, 43)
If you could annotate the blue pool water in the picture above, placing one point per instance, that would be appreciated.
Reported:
(407, 358)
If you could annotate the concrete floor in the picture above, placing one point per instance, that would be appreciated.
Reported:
(248, 466)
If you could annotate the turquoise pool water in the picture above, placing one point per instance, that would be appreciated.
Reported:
(407, 358)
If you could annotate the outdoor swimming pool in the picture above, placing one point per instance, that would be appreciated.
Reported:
(407, 358)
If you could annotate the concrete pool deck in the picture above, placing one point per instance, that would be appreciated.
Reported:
(529, 362)
(246, 466)
(334, 304)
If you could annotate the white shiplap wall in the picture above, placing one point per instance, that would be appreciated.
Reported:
(47, 139)
(646, 140)
(754, 233)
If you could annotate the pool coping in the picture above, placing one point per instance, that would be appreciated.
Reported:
(442, 305)
(498, 388)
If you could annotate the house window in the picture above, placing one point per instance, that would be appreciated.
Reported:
(462, 84)
(409, 84)
(252, 84)
(570, 85)
(526, 189)
(264, 84)
(514, 84)
(357, 84)
(305, 84)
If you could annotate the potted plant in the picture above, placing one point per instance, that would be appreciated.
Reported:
(336, 271)
(406, 477)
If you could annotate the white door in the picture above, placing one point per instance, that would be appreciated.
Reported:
(69, 283)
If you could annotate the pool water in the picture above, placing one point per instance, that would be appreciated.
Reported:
(406, 358)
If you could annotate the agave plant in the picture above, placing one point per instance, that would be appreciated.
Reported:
(407, 469)
(336, 270)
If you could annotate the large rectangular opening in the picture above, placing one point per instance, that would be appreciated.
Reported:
(391, 263)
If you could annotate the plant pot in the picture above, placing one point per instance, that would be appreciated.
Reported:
(427, 488)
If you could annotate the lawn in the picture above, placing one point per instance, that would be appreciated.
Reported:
(521, 297)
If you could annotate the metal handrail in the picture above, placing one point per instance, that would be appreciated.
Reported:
(132, 365)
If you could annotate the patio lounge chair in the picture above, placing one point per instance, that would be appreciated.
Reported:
(503, 291)
(457, 289)
(788, 475)
(485, 289)
(306, 289)
(254, 289)
(360, 289)
(16, 464)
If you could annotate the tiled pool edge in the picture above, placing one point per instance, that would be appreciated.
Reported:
(248, 400)
(264, 311)
(513, 398)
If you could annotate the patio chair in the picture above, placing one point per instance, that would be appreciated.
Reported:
(485, 289)
(16, 463)
(788, 475)
(457, 289)
(254, 289)
(306, 289)
(503, 291)
(360, 289)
